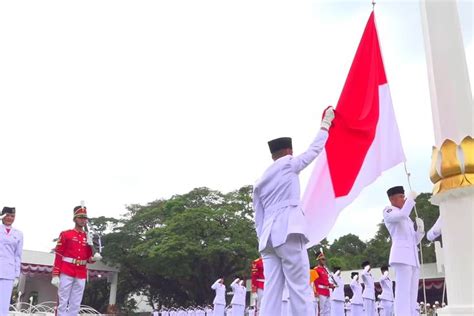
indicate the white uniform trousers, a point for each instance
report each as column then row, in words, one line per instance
column 337, row 308
column 406, row 289
column 6, row 287
column 238, row 310
column 369, row 307
column 219, row 310
column 324, row 306
column 70, row 295
column 387, row 308
column 357, row 310
column 288, row 262
column 259, row 299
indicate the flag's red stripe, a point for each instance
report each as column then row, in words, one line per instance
column 357, row 113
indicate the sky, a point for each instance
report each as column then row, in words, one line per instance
column 119, row 102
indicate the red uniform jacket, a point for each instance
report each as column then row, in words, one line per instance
column 72, row 244
column 258, row 278
column 321, row 284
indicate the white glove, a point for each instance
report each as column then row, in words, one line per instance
column 367, row 268
column 55, row 281
column 15, row 282
column 412, row 195
column 2, row 216
column 355, row 277
column 328, row 116
column 338, row 272
column 90, row 238
column 420, row 225
column 97, row 257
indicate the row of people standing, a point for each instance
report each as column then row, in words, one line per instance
column 330, row 296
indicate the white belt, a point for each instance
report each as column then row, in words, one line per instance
column 75, row 261
column 323, row 286
column 260, row 280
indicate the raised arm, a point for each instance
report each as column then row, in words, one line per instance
column 301, row 161
column 391, row 215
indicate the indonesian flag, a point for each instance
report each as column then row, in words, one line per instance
column 363, row 140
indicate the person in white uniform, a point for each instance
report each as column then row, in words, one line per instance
column 386, row 298
column 281, row 226
column 404, row 256
column 238, row 299
column 368, row 295
column 11, row 248
column 337, row 294
column 219, row 299
column 357, row 304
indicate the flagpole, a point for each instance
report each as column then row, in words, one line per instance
column 421, row 244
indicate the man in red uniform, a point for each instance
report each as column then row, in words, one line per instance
column 322, row 286
column 258, row 279
column 73, row 252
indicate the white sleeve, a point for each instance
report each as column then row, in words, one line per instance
column 258, row 212
column 301, row 161
column 215, row 285
column 393, row 216
column 435, row 231
column 18, row 254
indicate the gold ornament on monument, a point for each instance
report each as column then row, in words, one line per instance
column 452, row 166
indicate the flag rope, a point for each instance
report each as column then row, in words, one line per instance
column 421, row 244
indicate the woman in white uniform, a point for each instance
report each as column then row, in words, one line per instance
column 11, row 248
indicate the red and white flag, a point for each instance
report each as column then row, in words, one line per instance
column 363, row 140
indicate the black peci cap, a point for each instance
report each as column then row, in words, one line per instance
column 8, row 210
column 279, row 144
column 395, row 190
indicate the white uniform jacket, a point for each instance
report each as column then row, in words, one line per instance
column 387, row 288
column 276, row 196
column 356, row 293
column 369, row 289
column 404, row 237
column 11, row 248
column 239, row 293
column 338, row 293
column 220, row 293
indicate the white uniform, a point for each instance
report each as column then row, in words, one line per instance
column 11, row 248
column 357, row 304
column 368, row 295
column 386, row 298
column 281, row 229
column 219, row 299
column 404, row 256
column 285, row 307
column 435, row 231
column 337, row 296
column 238, row 300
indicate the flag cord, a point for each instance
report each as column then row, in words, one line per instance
column 421, row 244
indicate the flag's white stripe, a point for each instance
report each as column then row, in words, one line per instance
column 320, row 206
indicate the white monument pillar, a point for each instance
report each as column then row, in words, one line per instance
column 452, row 169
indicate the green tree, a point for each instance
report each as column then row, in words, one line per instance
column 173, row 250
